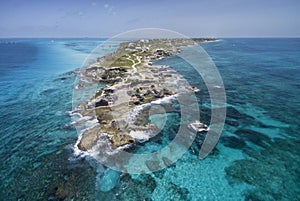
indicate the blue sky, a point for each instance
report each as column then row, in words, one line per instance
column 98, row 18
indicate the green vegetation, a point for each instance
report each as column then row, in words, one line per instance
column 98, row 93
column 122, row 62
column 128, row 52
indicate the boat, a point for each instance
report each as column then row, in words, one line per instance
column 198, row 127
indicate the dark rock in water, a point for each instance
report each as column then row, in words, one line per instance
column 254, row 195
column 272, row 171
column 235, row 114
column 102, row 102
column 65, row 185
column 132, row 189
column 157, row 139
column 233, row 142
column 253, row 136
column 149, row 182
column 199, row 139
column 160, row 174
column 215, row 152
column 232, row 123
column 175, row 192
column 153, row 165
column 244, row 167
column 167, row 161
column 194, row 149
column 257, row 174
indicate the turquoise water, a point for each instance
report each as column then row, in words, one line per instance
column 257, row 157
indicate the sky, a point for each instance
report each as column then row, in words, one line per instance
column 193, row 18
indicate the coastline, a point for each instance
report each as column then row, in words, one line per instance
column 117, row 114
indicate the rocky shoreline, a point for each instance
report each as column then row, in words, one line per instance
column 132, row 85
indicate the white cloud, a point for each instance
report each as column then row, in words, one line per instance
column 110, row 9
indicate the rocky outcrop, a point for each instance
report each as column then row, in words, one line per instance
column 102, row 74
column 102, row 102
column 148, row 94
column 120, row 140
column 89, row 138
column 130, row 82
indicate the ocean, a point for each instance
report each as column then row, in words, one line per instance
column 257, row 157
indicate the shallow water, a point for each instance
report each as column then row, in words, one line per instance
column 257, row 157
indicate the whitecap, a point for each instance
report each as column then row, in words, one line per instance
column 140, row 136
column 164, row 100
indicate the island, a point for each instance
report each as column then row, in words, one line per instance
column 132, row 85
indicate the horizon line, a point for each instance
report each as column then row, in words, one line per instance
column 104, row 37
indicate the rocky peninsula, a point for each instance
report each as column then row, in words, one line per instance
column 132, row 85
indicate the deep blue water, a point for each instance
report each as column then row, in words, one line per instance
column 257, row 157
